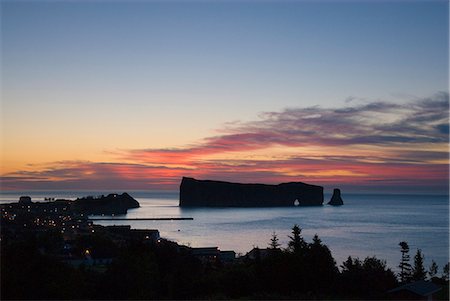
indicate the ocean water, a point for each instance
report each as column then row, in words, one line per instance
column 367, row 225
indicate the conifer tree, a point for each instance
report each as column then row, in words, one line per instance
column 296, row 243
column 351, row 265
column 418, row 270
column 405, row 266
column 445, row 272
column 433, row 270
column 316, row 240
column 274, row 243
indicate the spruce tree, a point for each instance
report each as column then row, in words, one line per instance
column 296, row 243
column 445, row 272
column 418, row 270
column 405, row 266
column 316, row 240
column 274, row 243
column 433, row 270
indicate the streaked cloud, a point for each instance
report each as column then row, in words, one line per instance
column 373, row 124
column 93, row 175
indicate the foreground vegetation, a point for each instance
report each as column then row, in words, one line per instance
column 163, row 270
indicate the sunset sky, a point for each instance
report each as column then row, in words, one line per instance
column 133, row 95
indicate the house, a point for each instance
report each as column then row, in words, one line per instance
column 258, row 254
column 125, row 232
column 419, row 290
column 206, row 254
column 118, row 229
column 150, row 235
column 88, row 261
column 227, row 256
column 25, row 200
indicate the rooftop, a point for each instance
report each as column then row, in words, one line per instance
column 421, row 288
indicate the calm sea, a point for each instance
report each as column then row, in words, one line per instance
column 367, row 225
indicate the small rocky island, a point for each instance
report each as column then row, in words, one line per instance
column 336, row 199
column 98, row 205
column 111, row 204
column 207, row 193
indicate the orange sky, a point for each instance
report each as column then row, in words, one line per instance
column 369, row 145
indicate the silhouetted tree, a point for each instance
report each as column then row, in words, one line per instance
column 316, row 240
column 445, row 271
column 405, row 266
column 433, row 270
column 418, row 272
column 274, row 242
column 366, row 279
column 321, row 270
column 350, row 265
column 296, row 243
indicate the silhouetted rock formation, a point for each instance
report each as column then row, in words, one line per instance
column 224, row 194
column 336, row 199
column 110, row 204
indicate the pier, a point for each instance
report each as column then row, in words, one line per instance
column 142, row 219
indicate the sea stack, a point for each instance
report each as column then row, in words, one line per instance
column 207, row 193
column 336, row 199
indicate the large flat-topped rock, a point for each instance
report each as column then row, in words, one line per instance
column 207, row 193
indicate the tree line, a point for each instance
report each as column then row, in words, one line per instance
column 415, row 272
column 303, row 270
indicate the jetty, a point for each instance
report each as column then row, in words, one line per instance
column 142, row 219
